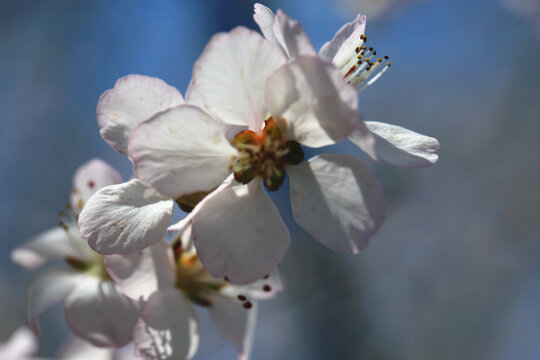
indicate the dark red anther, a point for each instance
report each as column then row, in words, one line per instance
column 267, row 288
column 242, row 298
column 91, row 184
column 247, row 305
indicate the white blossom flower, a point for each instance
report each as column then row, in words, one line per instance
column 22, row 345
column 94, row 307
column 171, row 280
column 243, row 80
column 360, row 67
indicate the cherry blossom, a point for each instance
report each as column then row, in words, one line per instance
column 243, row 80
column 171, row 281
column 361, row 67
column 95, row 308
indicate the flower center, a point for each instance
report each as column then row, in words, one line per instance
column 193, row 279
column 264, row 155
column 359, row 67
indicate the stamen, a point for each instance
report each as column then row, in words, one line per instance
column 360, row 67
column 267, row 288
column 242, row 297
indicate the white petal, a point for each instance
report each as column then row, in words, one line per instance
column 265, row 18
column 238, row 233
column 124, row 218
column 231, row 73
column 53, row 244
column 48, row 289
column 263, row 289
column 181, row 151
column 89, row 178
column 330, row 49
column 167, row 328
column 234, row 323
column 20, row 345
column 140, row 274
column 292, row 37
column 313, row 101
column 337, row 200
column 399, row 146
column 78, row 349
column 133, row 99
column 280, row 29
column 98, row 312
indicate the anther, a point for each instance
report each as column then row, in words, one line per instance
column 242, row 298
column 91, row 184
column 247, row 305
column 267, row 288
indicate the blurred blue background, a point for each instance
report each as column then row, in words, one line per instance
column 454, row 273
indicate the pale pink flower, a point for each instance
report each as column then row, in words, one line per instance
column 243, row 80
column 94, row 307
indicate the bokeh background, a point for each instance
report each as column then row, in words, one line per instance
column 454, row 272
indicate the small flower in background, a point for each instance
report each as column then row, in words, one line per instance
column 95, row 309
column 22, row 345
column 171, row 281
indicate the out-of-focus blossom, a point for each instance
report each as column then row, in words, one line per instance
column 22, row 345
column 360, row 67
column 529, row 9
column 243, row 80
column 170, row 282
column 95, row 308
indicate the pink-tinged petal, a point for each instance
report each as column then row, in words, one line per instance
column 78, row 349
column 19, row 346
column 89, row 178
column 344, row 38
column 167, row 328
column 133, row 99
column 337, row 200
column 181, row 151
column 266, row 288
column 292, row 37
column 98, row 312
column 124, row 218
column 238, row 233
column 53, row 244
column 312, row 103
column 141, row 274
column 231, row 73
column 48, row 289
column 401, row 147
column 235, row 323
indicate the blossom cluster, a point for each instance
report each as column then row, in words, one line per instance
column 132, row 277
